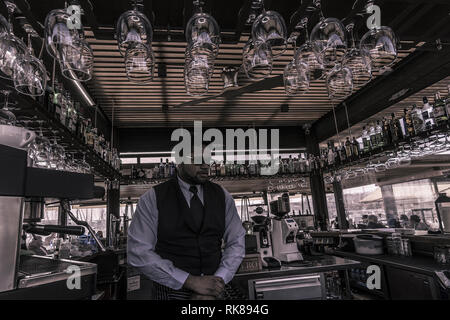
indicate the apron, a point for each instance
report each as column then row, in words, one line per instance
column 160, row 292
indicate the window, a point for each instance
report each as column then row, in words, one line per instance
column 388, row 202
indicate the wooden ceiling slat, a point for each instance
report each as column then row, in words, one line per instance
column 140, row 105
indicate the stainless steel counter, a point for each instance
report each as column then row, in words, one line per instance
column 39, row 270
column 296, row 280
column 419, row 264
column 309, row 265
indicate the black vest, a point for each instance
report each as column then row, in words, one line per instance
column 194, row 251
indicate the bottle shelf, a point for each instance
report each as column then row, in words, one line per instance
column 20, row 180
column 287, row 176
column 33, row 111
column 379, row 152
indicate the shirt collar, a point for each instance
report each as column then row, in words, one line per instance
column 185, row 186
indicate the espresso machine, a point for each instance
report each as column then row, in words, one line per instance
column 262, row 229
column 23, row 192
column 284, row 231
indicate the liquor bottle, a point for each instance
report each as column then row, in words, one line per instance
column 417, row 119
column 409, row 127
column 373, row 136
column 427, row 114
column 291, row 167
column 348, row 149
column 296, row 164
column 336, row 156
column 387, row 136
column 68, row 119
column 172, row 170
column 307, row 164
column 439, row 111
column 74, row 118
column 447, row 101
column 258, row 168
column 330, row 156
column 355, row 149
column 252, row 168
column 57, row 100
column 236, row 169
column 366, row 139
column 323, row 158
column 141, row 173
column 89, row 134
column 161, row 168
column 95, row 138
column 166, row 169
column 218, row 168
column 63, row 115
column 342, row 153
column 223, row 171
column 379, row 134
column 302, row 163
column 394, row 128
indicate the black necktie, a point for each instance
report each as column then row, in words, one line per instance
column 196, row 207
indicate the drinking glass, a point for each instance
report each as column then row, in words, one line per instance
column 134, row 37
column 6, row 116
column 203, row 35
column 257, row 60
column 305, row 54
column 40, row 152
column 30, row 75
column 358, row 62
column 295, row 78
column 339, row 83
column 197, row 73
column 76, row 60
column 404, row 155
column 12, row 50
column 328, row 38
column 380, row 167
column 139, row 63
column 4, row 25
column 269, row 27
column 380, row 44
column 57, row 32
column 133, row 27
column 229, row 77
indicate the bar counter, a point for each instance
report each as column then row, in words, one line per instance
column 310, row 265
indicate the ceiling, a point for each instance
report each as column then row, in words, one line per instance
column 130, row 105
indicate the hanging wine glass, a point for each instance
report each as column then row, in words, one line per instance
column 257, row 60
column 329, row 39
column 77, row 60
column 4, row 25
column 230, row 77
column 339, row 83
column 30, row 75
column 139, row 64
column 203, row 35
column 197, row 73
column 12, row 49
column 305, row 54
column 270, row 27
column 358, row 62
column 134, row 36
column 295, row 78
column 380, row 44
column 57, row 32
column 6, row 116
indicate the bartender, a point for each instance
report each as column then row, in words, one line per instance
column 176, row 235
